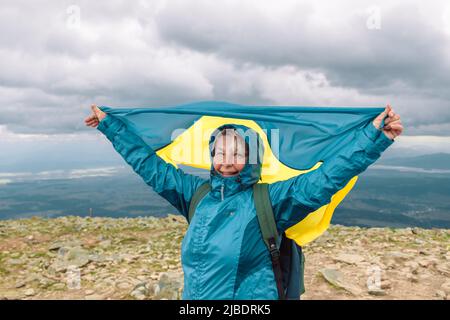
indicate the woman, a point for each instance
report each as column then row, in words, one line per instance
column 223, row 254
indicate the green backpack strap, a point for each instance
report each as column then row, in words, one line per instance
column 264, row 212
column 269, row 231
column 199, row 194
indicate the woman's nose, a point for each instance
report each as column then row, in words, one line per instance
column 228, row 159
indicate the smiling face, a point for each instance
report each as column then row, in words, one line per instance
column 229, row 153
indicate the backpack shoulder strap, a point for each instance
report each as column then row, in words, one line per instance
column 199, row 194
column 269, row 231
column 264, row 212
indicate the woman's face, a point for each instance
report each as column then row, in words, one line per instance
column 229, row 156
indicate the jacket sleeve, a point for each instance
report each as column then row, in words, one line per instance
column 171, row 183
column 295, row 198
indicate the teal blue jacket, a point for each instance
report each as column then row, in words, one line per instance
column 223, row 254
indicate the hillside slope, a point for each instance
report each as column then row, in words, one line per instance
column 139, row 258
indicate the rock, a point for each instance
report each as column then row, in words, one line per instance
column 89, row 292
column 446, row 287
column 29, row 292
column 123, row 285
column 443, row 269
column 427, row 262
column 154, row 276
column 116, row 258
column 386, row 284
column 406, row 231
column 419, row 241
column 424, row 276
column 140, row 291
column 153, row 289
column 335, row 278
column 377, row 292
column 138, row 295
column 98, row 258
column 67, row 244
column 441, row 294
column 130, row 258
column 62, row 251
column 105, row 244
column 73, row 257
column 396, row 256
column 331, row 275
column 412, row 278
column 141, row 278
column 413, row 267
column 169, row 286
column 349, row 258
column 77, row 257
column 57, row 266
column 20, row 284
column 59, row 286
column 16, row 262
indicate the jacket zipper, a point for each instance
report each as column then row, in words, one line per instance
column 221, row 190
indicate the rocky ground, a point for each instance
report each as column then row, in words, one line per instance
column 139, row 258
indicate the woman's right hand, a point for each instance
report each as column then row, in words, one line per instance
column 94, row 119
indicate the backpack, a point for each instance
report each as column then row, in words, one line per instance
column 288, row 260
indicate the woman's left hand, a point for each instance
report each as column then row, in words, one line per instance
column 94, row 119
column 392, row 124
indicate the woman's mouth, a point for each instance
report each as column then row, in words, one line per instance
column 228, row 174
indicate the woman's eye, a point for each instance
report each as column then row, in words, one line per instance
column 240, row 158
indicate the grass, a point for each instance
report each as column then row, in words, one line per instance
column 40, row 255
column 4, row 271
column 130, row 240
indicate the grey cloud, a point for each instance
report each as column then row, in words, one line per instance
column 406, row 61
column 406, row 48
column 149, row 54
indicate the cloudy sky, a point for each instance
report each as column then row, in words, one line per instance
column 58, row 57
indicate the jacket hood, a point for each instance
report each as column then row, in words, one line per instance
column 250, row 174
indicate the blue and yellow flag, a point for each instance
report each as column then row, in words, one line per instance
column 296, row 140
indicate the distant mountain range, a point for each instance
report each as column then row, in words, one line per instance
column 397, row 192
column 429, row 161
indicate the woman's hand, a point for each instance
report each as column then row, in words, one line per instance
column 392, row 124
column 94, row 119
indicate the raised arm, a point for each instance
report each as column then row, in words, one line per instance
column 171, row 183
column 295, row 198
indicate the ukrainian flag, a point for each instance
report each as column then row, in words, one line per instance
column 296, row 140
